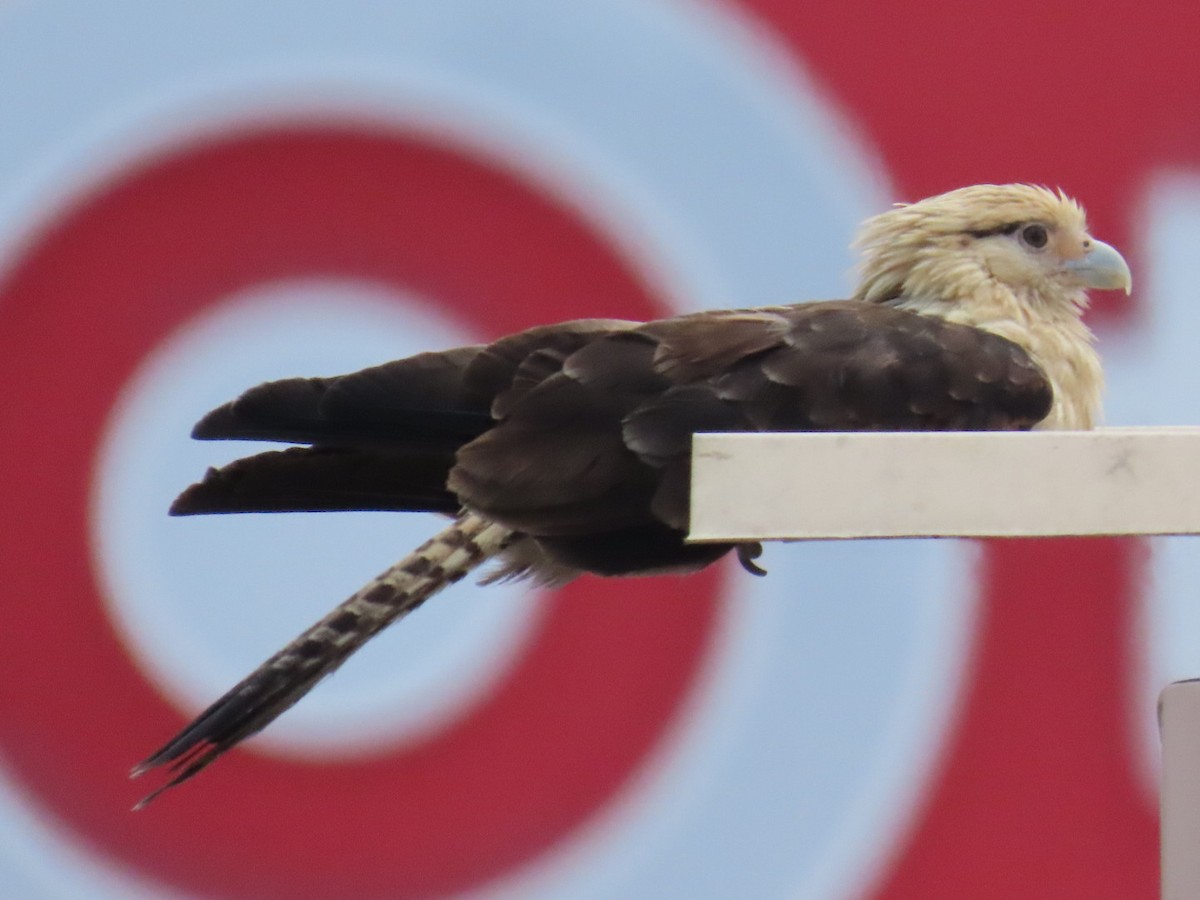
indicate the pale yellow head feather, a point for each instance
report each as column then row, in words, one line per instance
column 927, row 246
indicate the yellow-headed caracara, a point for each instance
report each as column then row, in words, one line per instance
column 565, row 449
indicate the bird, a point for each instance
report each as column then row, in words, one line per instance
column 565, row 449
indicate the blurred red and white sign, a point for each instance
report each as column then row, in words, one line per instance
column 194, row 200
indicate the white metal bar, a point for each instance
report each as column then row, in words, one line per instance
column 964, row 484
column 1179, row 723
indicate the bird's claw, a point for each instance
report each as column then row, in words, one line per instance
column 747, row 554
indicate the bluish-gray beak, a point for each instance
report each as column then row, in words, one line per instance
column 1102, row 268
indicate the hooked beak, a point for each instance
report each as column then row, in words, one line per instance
column 1102, row 268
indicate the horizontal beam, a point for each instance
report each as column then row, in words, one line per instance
column 945, row 484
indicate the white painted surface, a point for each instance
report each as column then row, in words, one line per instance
column 963, row 484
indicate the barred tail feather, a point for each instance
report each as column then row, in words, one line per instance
column 291, row 673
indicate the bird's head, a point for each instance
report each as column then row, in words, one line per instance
column 1028, row 239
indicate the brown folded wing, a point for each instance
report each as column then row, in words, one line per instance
column 579, row 434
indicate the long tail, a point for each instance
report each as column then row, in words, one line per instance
column 292, row 672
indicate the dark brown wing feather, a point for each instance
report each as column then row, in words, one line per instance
column 566, row 430
column 706, row 344
column 324, row 479
column 419, row 399
column 494, row 372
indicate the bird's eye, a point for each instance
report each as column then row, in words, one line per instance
column 1035, row 236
